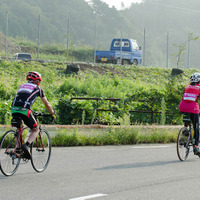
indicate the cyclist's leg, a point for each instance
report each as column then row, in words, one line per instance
column 33, row 135
column 197, row 129
column 33, row 125
column 195, row 121
column 31, row 122
column 31, row 138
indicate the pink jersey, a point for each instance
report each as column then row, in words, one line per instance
column 189, row 102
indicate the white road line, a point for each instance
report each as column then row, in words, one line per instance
column 89, row 197
column 150, row 147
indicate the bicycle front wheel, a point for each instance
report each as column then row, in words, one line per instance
column 183, row 144
column 9, row 162
column 41, row 151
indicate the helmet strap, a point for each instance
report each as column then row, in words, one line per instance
column 37, row 82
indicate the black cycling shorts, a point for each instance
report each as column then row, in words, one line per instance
column 30, row 120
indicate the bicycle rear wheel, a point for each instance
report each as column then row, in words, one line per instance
column 41, row 151
column 9, row 162
column 183, row 144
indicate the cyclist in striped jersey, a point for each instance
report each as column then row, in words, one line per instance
column 21, row 106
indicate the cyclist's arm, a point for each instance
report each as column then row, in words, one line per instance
column 47, row 105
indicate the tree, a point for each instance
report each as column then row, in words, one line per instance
column 178, row 55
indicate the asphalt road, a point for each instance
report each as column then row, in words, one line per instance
column 107, row 172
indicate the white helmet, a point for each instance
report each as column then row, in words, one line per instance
column 195, row 78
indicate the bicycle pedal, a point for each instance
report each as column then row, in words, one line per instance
column 25, row 157
column 18, row 150
column 25, row 160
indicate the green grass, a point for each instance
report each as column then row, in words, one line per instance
column 123, row 135
column 111, row 135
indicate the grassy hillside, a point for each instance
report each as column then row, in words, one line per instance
column 127, row 83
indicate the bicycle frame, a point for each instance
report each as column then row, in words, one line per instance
column 20, row 132
column 18, row 136
column 191, row 133
column 40, row 140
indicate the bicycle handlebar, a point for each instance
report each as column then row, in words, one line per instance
column 36, row 114
column 41, row 114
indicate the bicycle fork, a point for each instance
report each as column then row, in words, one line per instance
column 40, row 141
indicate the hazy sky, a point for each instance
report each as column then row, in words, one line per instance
column 117, row 3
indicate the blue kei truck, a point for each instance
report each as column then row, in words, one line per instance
column 126, row 54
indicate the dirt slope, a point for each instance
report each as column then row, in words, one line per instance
column 11, row 46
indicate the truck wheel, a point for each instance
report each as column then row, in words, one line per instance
column 135, row 62
column 118, row 61
column 125, row 62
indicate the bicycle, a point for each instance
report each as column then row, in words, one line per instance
column 11, row 153
column 185, row 138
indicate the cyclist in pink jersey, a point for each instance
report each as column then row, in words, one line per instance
column 21, row 106
column 190, row 105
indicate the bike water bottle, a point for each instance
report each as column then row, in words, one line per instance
column 192, row 132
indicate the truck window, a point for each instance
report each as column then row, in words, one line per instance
column 116, row 44
column 124, row 44
column 135, row 46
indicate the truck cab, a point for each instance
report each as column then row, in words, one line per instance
column 122, row 51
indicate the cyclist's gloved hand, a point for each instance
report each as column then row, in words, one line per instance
column 54, row 115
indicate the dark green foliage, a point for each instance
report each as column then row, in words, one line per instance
column 65, row 140
column 69, row 112
column 170, row 88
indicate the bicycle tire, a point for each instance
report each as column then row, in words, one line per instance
column 41, row 156
column 183, row 144
column 9, row 163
